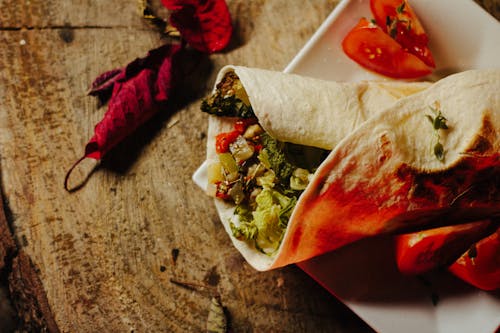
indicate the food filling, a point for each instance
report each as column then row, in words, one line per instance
column 261, row 176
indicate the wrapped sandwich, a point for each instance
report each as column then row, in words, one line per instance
column 299, row 167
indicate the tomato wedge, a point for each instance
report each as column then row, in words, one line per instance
column 419, row 252
column 397, row 18
column 372, row 48
column 480, row 266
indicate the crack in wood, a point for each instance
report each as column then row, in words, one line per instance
column 24, row 302
column 58, row 27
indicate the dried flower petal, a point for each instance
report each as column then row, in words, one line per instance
column 204, row 24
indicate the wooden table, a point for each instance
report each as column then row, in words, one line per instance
column 139, row 247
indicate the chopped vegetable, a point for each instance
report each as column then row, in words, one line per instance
column 394, row 44
column 422, row 251
column 299, row 179
column 241, row 149
column 229, row 100
column 215, row 173
column 274, row 155
column 223, row 140
column 229, row 165
column 243, row 125
column 262, row 176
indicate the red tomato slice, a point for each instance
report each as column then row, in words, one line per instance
column 480, row 266
column 419, row 252
column 373, row 49
column 397, row 18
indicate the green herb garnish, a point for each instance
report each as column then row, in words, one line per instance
column 401, row 8
column 438, row 123
column 472, row 252
column 392, row 23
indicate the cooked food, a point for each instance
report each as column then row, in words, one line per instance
column 269, row 134
column 429, row 160
column 302, row 110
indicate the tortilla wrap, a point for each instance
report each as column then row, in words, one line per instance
column 313, row 112
column 304, row 111
column 384, row 177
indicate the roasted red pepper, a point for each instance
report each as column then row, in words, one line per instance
column 223, row 140
column 241, row 125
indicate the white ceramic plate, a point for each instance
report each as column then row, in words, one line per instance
column 463, row 36
column 363, row 275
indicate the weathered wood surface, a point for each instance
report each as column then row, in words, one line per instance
column 106, row 255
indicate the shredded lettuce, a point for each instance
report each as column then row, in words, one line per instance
column 271, row 180
column 265, row 225
column 265, row 222
column 246, row 229
column 267, row 179
column 286, row 212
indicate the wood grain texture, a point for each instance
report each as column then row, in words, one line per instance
column 107, row 254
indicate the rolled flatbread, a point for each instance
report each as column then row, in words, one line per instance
column 422, row 161
column 313, row 112
column 387, row 177
column 303, row 111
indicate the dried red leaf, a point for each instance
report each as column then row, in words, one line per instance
column 137, row 93
column 103, row 84
column 204, row 24
column 139, row 90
